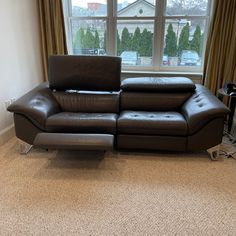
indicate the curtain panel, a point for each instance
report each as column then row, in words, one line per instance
column 220, row 56
column 52, row 29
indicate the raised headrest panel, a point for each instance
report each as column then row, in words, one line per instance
column 101, row 73
column 158, row 84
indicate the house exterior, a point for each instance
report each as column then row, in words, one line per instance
column 144, row 8
column 139, row 8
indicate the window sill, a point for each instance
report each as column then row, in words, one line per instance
column 171, row 73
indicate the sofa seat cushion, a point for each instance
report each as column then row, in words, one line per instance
column 152, row 123
column 82, row 122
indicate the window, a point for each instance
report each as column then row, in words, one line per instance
column 87, row 26
column 156, row 35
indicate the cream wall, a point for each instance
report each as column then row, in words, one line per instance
column 20, row 58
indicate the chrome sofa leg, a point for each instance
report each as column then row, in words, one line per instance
column 24, row 148
column 214, row 152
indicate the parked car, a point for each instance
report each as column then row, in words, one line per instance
column 130, row 58
column 189, row 58
column 98, row 51
column 165, row 60
column 89, row 51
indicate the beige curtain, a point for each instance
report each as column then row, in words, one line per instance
column 52, row 30
column 220, row 57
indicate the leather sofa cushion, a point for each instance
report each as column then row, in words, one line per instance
column 152, row 123
column 88, row 101
column 97, row 73
column 158, row 84
column 140, row 101
column 104, row 123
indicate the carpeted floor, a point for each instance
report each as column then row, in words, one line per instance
column 76, row 193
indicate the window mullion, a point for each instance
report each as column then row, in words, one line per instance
column 88, row 18
column 67, row 14
column 158, row 34
column 135, row 18
column 70, row 49
column 184, row 17
column 206, row 30
column 111, row 28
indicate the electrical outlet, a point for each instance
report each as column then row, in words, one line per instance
column 7, row 103
column 12, row 100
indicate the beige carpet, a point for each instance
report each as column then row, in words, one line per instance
column 74, row 193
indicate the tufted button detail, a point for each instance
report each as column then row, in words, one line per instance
column 38, row 102
column 198, row 100
column 201, row 105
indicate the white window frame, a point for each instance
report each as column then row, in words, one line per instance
column 158, row 35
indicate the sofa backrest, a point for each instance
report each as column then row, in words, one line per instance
column 94, row 73
column 155, row 93
column 148, row 101
column 88, row 101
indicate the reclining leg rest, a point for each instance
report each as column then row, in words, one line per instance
column 70, row 141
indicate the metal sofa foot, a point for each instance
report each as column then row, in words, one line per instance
column 24, row 148
column 214, row 153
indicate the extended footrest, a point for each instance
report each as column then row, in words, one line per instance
column 93, row 142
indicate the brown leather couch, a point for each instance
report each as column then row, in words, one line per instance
column 84, row 106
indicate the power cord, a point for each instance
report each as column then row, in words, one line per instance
column 227, row 154
column 230, row 140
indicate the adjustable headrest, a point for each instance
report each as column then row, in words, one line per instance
column 158, row 84
column 101, row 73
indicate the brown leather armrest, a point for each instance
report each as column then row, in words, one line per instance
column 201, row 108
column 36, row 105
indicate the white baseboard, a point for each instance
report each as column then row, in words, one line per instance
column 7, row 134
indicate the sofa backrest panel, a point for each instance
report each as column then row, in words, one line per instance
column 88, row 101
column 153, row 101
column 97, row 73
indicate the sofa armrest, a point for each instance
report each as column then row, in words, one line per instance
column 201, row 108
column 36, row 105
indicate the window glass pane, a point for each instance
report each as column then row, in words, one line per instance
column 89, row 37
column 135, row 41
column 186, row 7
column 183, row 42
column 89, row 7
column 126, row 8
